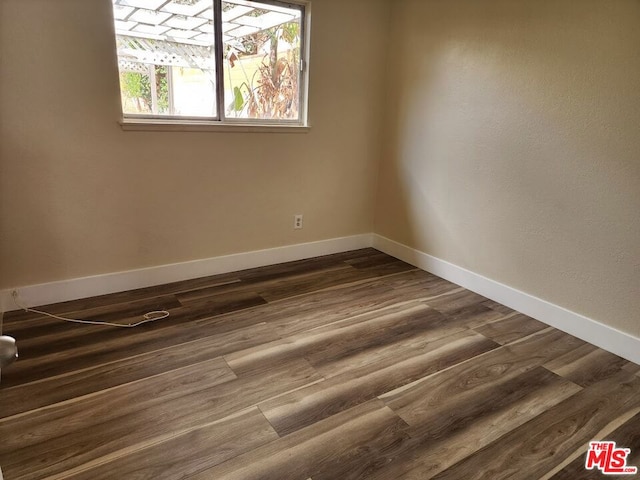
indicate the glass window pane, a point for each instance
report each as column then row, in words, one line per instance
column 261, row 49
column 166, row 57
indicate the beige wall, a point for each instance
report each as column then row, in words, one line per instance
column 514, row 147
column 78, row 196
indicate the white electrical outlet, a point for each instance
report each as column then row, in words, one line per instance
column 297, row 222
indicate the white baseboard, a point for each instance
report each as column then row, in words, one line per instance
column 596, row 333
column 73, row 289
column 587, row 329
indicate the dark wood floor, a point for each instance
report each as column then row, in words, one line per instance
column 349, row 366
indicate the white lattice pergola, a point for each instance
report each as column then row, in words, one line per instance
column 180, row 32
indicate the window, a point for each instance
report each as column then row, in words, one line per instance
column 229, row 61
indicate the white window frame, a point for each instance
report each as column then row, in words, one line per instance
column 142, row 122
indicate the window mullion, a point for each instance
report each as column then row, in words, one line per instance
column 219, row 51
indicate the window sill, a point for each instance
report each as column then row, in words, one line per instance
column 208, row 126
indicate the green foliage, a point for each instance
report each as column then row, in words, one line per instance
column 273, row 91
column 291, row 32
column 137, row 87
column 162, row 72
column 238, row 99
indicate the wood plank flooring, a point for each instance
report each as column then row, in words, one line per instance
column 348, row 366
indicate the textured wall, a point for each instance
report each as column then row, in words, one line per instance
column 514, row 146
column 78, row 196
column 512, row 149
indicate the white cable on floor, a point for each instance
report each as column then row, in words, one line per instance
column 148, row 317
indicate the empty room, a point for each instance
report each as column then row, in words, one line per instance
column 319, row 240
